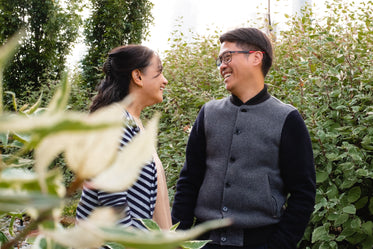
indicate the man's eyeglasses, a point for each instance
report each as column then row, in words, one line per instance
column 226, row 57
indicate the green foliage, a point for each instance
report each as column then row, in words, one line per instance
column 80, row 96
column 3, row 238
column 111, row 24
column 7, row 52
column 191, row 244
column 51, row 30
column 323, row 67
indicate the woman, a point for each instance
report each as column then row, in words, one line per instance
column 134, row 70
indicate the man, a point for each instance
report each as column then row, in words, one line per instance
column 249, row 157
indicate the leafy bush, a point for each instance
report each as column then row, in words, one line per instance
column 51, row 30
column 111, row 24
column 324, row 67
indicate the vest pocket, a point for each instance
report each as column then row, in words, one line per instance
column 274, row 203
column 274, row 207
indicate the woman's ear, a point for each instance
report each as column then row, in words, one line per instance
column 136, row 77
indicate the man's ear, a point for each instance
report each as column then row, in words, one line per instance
column 258, row 57
column 136, row 77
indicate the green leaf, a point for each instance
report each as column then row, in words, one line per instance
column 35, row 106
column 356, row 238
column 367, row 142
column 150, row 224
column 12, row 201
column 321, row 176
column 341, row 219
column 14, row 161
column 333, row 216
column 363, row 172
column 22, row 138
column 160, row 239
column 367, row 227
column 27, row 180
column 370, row 206
column 43, row 243
column 194, row 244
column 326, row 245
column 126, row 167
column 332, row 192
column 14, row 216
column 99, row 228
column 175, row 226
column 346, row 232
column 332, row 156
column 45, row 125
column 347, row 183
column 353, row 194
column 114, row 245
column 349, row 209
column 3, row 239
column 4, row 137
column 320, row 234
column 322, row 203
column 368, row 243
column 362, row 202
column 356, row 223
column 61, row 96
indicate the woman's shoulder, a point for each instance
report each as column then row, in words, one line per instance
column 130, row 128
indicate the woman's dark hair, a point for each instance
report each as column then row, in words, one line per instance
column 251, row 39
column 118, row 69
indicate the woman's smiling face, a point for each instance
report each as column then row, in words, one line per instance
column 154, row 81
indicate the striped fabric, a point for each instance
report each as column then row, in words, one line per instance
column 137, row 202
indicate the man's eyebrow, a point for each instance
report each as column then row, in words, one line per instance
column 223, row 53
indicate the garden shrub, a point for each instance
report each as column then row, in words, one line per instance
column 324, row 68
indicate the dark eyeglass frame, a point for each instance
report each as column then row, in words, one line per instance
column 228, row 56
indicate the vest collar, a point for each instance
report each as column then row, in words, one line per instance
column 262, row 96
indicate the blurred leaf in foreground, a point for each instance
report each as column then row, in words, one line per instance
column 129, row 161
column 24, row 180
column 30, row 202
column 100, row 228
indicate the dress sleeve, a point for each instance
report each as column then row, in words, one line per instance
column 298, row 172
column 88, row 202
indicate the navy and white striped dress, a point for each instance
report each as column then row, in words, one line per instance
column 138, row 201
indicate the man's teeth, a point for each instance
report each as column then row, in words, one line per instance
column 227, row 75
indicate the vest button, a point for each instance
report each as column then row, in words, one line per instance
column 232, row 159
column 237, row 132
column 223, row 239
column 227, row 184
column 243, row 110
column 225, row 209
